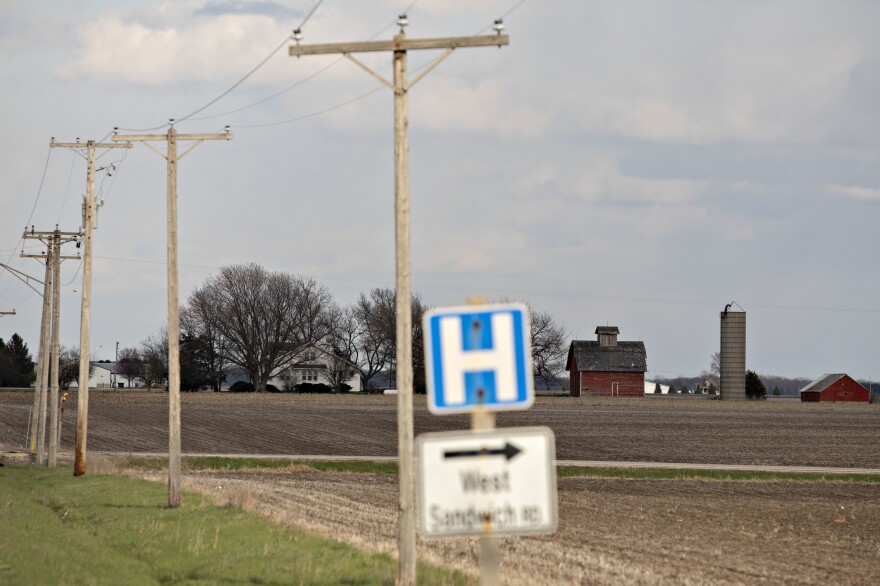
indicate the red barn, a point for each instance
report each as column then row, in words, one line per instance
column 835, row 387
column 606, row 367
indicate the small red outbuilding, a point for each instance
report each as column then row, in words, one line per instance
column 835, row 387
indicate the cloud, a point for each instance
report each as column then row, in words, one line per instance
column 167, row 44
column 264, row 8
column 854, row 192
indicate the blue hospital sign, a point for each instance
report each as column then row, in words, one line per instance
column 478, row 355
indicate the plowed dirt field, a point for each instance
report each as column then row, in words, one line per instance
column 611, row 531
column 648, row 430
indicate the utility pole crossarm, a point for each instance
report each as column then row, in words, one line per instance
column 162, row 137
column 172, row 157
column 45, row 256
column 400, row 44
column 82, row 145
column 7, row 312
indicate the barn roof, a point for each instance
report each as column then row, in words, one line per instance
column 822, row 383
column 588, row 356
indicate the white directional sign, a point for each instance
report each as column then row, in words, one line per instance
column 478, row 356
column 496, row 482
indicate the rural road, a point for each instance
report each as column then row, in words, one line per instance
column 584, row 463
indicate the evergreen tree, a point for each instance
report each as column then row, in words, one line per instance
column 657, row 389
column 16, row 363
column 755, row 389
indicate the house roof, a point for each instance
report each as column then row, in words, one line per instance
column 822, row 383
column 607, row 330
column 589, row 356
column 312, row 364
column 108, row 366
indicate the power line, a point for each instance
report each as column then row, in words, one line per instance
column 30, row 217
column 313, row 114
column 238, row 83
column 561, row 294
column 298, row 84
column 255, row 69
column 67, row 187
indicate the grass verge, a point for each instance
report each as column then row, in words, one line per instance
column 231, row 464
column 685, row 474
column 368, row 467
column 101, row 529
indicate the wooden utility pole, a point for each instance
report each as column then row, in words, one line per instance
column 399, row 46
column 50, row 362
column 35, row 411
column 171, row 139
column 82, row 395
column 38, row 415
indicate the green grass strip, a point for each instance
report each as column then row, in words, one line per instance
column 687, row 474
column 97, row 529
column 369, row 467
column 193, row 463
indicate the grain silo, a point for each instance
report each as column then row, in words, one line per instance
column 733, row 354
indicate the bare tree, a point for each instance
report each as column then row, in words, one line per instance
column 130, row 364
column 715, row 366
column 68, row 366
column 339, row 372
column 154, row 356
column 198, row 324
column 375, row 315
column 376, row 341
column 549, row 345
column 263, row 317
column 344, row 332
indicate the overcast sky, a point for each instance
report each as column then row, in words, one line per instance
column 629, row 163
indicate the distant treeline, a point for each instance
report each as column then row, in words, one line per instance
column 786, row 386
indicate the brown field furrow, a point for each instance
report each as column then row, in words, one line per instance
column 649, row 430
column 611, row 531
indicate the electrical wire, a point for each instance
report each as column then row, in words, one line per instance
column 115, row 166
column 537, row 293
column 298, row 83
column 30, row 217
column 254, row 70
column 67, row 187
column 502, row 17
column 78, row 268
column 313, row 114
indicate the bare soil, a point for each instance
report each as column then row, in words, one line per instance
column 609, row 429
column 611, row 531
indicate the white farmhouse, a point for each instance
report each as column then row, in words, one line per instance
column 313, row 364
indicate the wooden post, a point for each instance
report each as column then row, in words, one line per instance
column 399, row 45
column 490, row 547
column 41, row 360
column 82, row 395
column 38, row 429
column 406, row 536
column 490, row 544
column 55, row 362
column 171, row 139
column 173, row 330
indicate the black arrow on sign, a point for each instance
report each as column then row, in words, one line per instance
column 509, row 451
